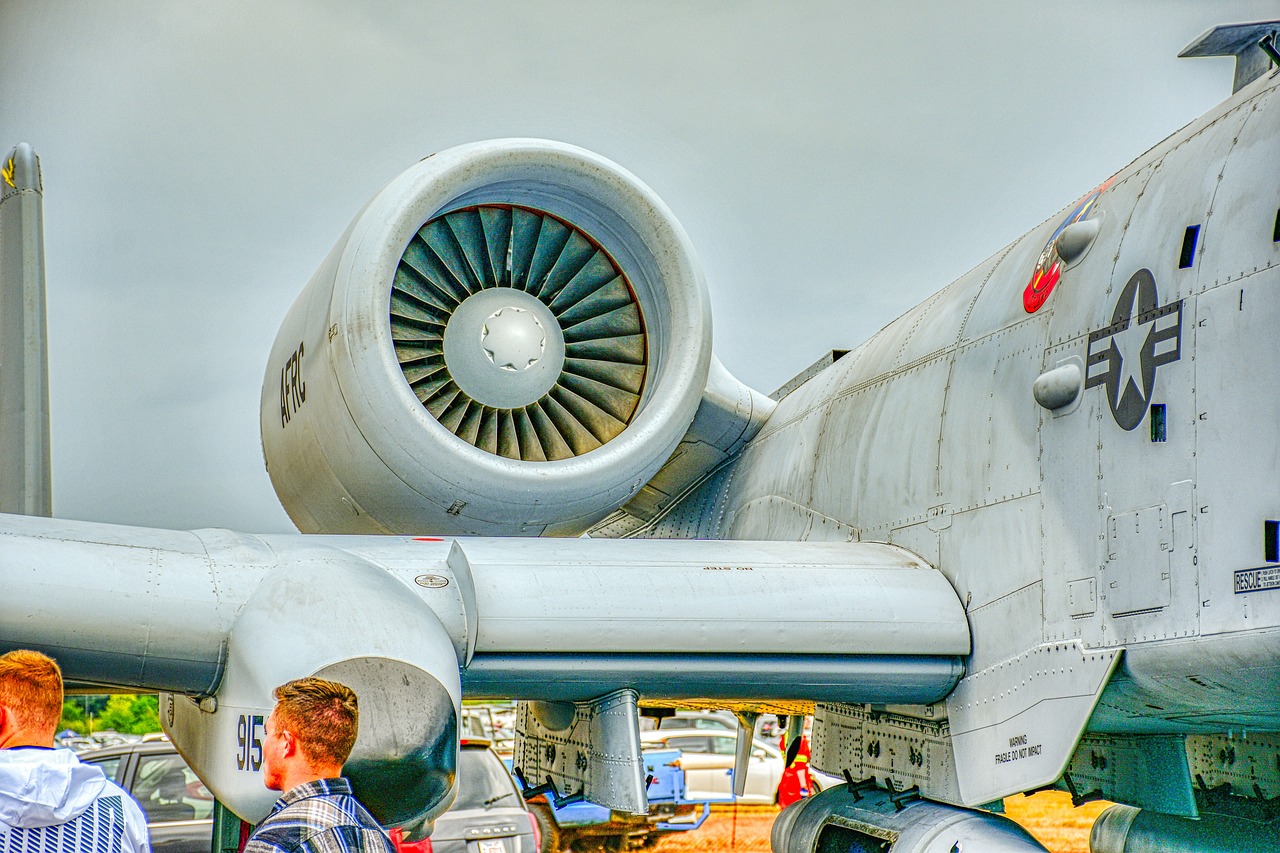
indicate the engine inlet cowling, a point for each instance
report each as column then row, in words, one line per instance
column 511, row 338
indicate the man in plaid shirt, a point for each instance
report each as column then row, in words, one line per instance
column 308, row 738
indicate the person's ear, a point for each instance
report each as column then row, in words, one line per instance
column 8, row 724
column 288, row 743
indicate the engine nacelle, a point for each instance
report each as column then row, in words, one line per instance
column 864, row 818
column 511, row 338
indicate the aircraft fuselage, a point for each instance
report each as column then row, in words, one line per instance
column 1134, row 516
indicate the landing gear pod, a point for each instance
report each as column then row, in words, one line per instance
column 511, row 338
column 329, row 614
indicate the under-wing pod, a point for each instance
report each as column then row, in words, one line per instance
column 1125, row 829
column 511, row 338
column 864, row 817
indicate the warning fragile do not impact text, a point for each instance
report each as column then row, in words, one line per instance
column 1018, row 749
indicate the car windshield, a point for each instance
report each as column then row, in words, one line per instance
column 483, row 782
column 696, row 723
column 169, row 790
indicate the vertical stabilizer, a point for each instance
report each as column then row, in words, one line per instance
column 24, row 367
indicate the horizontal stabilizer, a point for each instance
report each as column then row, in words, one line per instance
column 1242, row 42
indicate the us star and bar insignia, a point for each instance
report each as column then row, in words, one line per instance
column 1124, row 356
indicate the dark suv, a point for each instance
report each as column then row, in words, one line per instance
column 178, row 806
column 489, row 815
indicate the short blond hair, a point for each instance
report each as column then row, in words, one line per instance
column 323, row 715
column 31, row 687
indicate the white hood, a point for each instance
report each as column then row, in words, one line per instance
column 43, row 787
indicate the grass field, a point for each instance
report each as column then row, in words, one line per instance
column 1051, row 819
column 745, row 829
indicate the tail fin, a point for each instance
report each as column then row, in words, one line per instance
column 24, row 360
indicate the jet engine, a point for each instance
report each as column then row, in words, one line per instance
column 863, row 817
column 511, row 338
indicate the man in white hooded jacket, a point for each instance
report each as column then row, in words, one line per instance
column 49, row 799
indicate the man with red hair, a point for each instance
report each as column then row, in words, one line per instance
column 310, row 733
column 49, row 799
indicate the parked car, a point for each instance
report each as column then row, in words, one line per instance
column 97, row 740
column 489, row 814
column 712, row 720
column 179, row 808
column 494, row 722
column 707, row 758
column 768, row 726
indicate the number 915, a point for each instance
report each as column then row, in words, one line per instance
column 249, row 732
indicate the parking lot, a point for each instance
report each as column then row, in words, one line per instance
column 738, row 828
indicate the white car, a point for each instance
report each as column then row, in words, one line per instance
column 717, row 721
column 706, row 755
column 707, row 759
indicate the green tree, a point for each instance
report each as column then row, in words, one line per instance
column 146, row 714
column 131, row 714
column 126, row 713
column 73, row 717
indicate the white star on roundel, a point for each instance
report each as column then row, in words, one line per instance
column 513, row 339
column 1129, row 345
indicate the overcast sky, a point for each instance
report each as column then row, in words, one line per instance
column 833, row 162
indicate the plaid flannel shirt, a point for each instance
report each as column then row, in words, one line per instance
column 319, row 817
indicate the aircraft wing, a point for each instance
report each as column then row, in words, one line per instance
column 420, row 621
